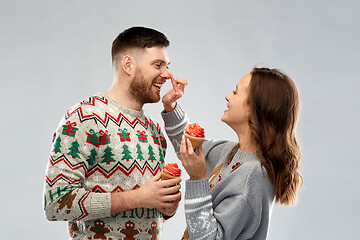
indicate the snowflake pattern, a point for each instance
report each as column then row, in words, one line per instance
column 97, row 179
column 204, row 219
column 200, row 222
column 87, row 183
column 136, row 177
column 117, row 179
column 127, row 184
column 52, row 171
column 85, row 148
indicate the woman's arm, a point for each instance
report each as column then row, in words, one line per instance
column 231, row 218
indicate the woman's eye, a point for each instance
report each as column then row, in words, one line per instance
column 234, row 91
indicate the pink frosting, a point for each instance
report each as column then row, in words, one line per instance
column 195, row 130
column 172, row 169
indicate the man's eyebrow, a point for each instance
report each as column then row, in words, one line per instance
column 160, row 60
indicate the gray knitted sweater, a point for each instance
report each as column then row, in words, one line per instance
column 235, row 200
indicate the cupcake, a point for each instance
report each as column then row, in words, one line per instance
column 170, row 171
column 195, row 134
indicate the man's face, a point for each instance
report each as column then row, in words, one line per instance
column 151, row 73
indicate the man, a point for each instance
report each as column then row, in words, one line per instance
column 104, row 167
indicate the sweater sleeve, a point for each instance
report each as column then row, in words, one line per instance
column 231, row 218
column 176, row 122
column 65, row 195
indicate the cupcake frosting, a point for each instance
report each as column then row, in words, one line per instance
column 172, row 169
column 195, row 130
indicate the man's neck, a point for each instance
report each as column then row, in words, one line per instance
column 121, row 96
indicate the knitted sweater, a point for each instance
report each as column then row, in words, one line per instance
column 235, row 200
column 102, row 147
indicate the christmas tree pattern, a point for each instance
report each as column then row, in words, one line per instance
column 107, row 157
column 139, row 152
column 151, row 153
column 74, row 150
column 57, row 145
column 161, row 155
column 91, row 157
column 126, row 152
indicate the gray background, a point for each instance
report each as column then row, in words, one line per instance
column 56, row 53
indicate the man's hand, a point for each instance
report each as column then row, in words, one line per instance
column 163, row 195
column 169, row 99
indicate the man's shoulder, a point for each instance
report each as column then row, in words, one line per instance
column 154, row 124
column 87, row 107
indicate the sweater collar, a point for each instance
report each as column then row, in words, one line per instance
column 123, row 109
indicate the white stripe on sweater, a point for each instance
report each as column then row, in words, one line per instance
column 186, row 119
column 198, row 200
column 199, row 208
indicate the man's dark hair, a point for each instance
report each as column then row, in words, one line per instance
column 137, row 37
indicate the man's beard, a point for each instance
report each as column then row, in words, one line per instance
column 141, row 91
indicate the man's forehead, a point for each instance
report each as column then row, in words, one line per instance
column 158, row 54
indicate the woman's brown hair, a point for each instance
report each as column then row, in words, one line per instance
column 274, row 101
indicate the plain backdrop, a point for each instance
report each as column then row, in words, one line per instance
column 54, row 54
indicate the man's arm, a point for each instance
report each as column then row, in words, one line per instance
column 66, row 199
column 163, row 195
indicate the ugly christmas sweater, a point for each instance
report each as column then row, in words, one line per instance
column 102, row 147
column 236, row 198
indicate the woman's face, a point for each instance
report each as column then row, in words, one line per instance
column 238, row 111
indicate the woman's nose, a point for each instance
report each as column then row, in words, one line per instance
column 227, row 97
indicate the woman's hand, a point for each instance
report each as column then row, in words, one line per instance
column 169, row 99
column 194, row 164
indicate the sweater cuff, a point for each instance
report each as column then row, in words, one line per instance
column 100, row 206
column 197, row 189
column 172, row 118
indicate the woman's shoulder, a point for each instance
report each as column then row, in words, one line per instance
column 250, row 172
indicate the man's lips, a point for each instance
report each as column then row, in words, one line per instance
column 158, row 85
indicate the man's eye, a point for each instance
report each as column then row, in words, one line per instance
column 234, row 91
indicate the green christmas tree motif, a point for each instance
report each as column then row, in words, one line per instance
column 161, row 155
column 57, row 145
column 91, row 158
column 139, row 152
column 74, row 149
column 126, row 152
column 107, row 157
column 151, row 153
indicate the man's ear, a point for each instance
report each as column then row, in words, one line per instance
column 127, row 64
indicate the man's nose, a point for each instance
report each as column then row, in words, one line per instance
column 165, row 73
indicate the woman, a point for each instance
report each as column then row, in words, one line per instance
column 233, row 185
